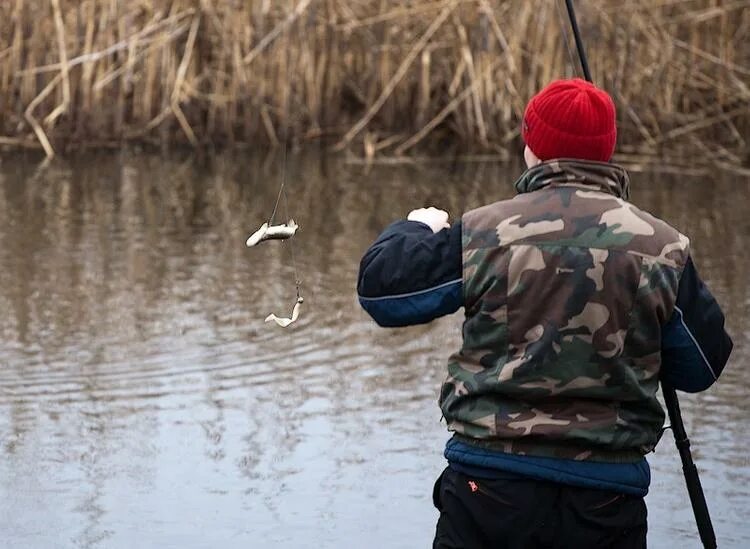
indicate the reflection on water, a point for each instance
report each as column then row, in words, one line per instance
column 144, row 401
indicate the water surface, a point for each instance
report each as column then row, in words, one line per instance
column 144, row 403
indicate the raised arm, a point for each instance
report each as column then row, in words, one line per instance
column 411, row 274
column 695, row 346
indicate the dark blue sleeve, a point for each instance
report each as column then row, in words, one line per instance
column 411, row 275
column 695, row 346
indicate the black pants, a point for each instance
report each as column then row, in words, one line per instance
column 515, row 512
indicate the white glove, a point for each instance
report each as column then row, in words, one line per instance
column 435, row 219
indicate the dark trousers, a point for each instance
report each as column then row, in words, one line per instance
column 516, row 512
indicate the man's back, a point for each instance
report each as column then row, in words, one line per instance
column 565, row 290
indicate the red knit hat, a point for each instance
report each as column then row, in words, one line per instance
column 571, row 119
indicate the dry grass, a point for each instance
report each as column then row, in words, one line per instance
column 380, row 77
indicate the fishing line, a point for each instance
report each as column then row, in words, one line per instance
column 282, row 188
column 297, row 281
column 283, row 183
column 285, row 137
column 286, row 230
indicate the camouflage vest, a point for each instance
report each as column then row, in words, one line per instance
column 566, row 287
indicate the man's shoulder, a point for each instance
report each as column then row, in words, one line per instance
column 652, row 236
column 659, row 225
column 497, row 210
column 577, row 216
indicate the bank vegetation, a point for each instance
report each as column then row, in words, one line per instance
column 378, row 78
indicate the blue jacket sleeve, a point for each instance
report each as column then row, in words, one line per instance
column 411, row 275
column 695, row 346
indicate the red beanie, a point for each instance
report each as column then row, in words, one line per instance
column 571, row 119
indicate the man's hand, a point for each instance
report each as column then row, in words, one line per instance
column 435, row 219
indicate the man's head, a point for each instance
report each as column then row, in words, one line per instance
column 569, row 119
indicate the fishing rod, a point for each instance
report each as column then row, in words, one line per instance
column 579, row 42
column 695, row 490
column 693, row 481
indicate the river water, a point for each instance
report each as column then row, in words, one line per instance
column 144, row 403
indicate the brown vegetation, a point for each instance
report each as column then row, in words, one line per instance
column 382, row 77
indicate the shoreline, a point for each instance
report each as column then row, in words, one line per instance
column 379, row 79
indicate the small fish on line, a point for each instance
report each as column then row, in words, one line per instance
column 284, row 322
column 272, row 232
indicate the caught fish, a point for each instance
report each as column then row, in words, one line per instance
column 272, row 232
column 284, row 322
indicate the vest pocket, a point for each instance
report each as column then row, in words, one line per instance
column 607, row 502
column 477, row 487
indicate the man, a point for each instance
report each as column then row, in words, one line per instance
column 577, row 304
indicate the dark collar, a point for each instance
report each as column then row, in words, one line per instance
column 600, row 176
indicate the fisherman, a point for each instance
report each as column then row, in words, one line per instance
column 577, row 303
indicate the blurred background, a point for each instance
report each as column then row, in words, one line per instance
column 378, row 77
column 143, row 401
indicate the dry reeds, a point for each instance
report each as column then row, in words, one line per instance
column 379, row 76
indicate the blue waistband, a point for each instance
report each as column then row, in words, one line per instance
column 626, row 478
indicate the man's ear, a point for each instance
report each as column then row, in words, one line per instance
column 530, row 158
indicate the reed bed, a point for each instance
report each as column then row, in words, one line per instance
column 380, row 78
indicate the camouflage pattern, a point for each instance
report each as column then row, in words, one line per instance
column 565, row 289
